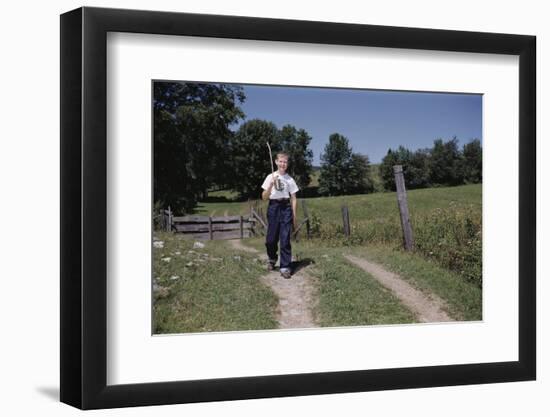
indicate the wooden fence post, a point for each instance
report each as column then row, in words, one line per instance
column 210, row 233
column 241, row 226
column 345, row 218
column 169, row 220
column 259, row 218
column 403, row 207
column 306, row 215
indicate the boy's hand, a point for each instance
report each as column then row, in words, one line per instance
column 273, row 180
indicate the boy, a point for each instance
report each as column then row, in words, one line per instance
column 280, row 189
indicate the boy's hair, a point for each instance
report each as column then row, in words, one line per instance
column 282, row 154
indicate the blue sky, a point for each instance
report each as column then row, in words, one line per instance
column 372, row 120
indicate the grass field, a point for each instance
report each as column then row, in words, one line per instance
column 367, row 206
column 446, row 223
column 208, row 289
column 349, row 296
column 215, row 289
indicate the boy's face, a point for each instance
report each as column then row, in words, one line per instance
column 282, row 163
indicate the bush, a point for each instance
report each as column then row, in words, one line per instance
column 453, row 238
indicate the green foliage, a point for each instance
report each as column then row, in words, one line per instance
column 401, row 157
column 314, row 223
column 418, row 170
column 250, row 156
column 442, row 165
column 452, row 237
column 446, row 163
column 191, row 134
column 342, row 171
column 472, row 162
column 296, row 142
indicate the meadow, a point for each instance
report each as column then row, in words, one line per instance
column 215, row 287
column 446, row 222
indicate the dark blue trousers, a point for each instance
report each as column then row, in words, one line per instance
column 279, row 218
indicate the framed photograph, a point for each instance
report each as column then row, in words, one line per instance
column 257, row 208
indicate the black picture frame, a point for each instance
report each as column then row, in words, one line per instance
column 84, row 206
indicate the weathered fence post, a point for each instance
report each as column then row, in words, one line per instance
column 306, row 215
column 345, row 218
column 264, row 218
column 403, row 207
column 169, row 220
column 259, row 218
column 210, row 232
column 241, row 226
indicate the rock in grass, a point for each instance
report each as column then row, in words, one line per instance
column 167, row 259
column 198, row 245
column 158, row 244
column 174, row 277
column 160, row 292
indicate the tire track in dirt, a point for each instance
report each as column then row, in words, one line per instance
column 428, row 309
column 295, row 294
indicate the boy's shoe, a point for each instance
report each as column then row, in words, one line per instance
column 270, row 266
column 285, row 273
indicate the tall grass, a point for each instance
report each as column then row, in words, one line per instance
column 447, row 230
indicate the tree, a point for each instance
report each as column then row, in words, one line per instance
column 342, row 171
column 191, row 131
column 386, row 170
column 250, row 156
column 360, row 180
column 296, row 142
column 446, row 163
column 418, row 170
column 472, row 162
column 402, row 156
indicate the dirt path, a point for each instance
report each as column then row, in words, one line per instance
column 428, row 309
column 295, row 294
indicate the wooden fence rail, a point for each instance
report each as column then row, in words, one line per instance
column 210, row 228
column 225, row 227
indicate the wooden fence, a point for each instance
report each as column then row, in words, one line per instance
column 408, row 241
column 225, row 227
column 208, row 227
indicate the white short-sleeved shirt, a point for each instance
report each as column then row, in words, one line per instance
column 288, row 183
